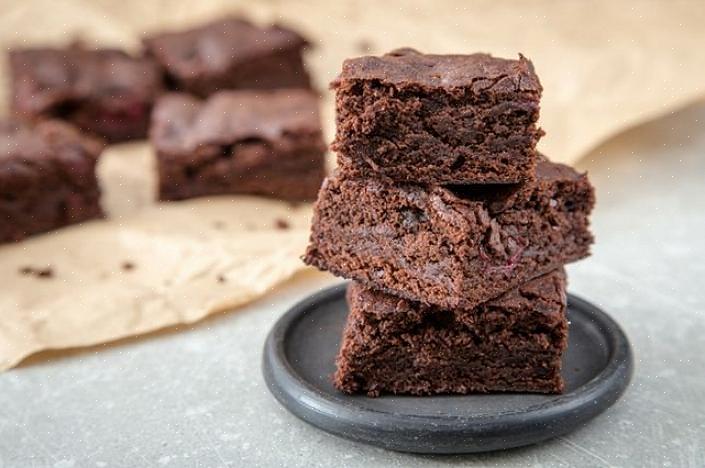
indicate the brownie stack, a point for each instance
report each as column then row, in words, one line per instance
column 453, row 228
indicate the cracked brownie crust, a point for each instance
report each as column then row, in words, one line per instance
column 455, row 246
column 105, row 92
column 239, row 142
column 230, row 54
column 511, row 343
column 437, row 119
column 47, row 178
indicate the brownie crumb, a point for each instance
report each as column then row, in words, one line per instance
column 47, row 272
column 44, row 273
column 281, row 224
column 221, row 279
column 128, row 266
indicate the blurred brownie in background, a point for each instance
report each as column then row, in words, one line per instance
column 438, row 119
column 105, row 91
column 453, row 246
column 512, row 343
column 266, row 143
column 230, row 53
column 47, row 178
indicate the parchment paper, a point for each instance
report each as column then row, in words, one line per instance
column 605, row 66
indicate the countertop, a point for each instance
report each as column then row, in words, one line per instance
column 194, row 396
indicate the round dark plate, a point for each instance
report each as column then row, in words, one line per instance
column 299, row 359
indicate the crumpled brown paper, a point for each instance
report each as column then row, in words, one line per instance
column 605, row 66
column 169, row 264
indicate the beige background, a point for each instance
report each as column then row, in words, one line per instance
column 605, row 66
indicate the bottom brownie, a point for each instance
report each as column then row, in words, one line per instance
column 513, row 343
column 47, row 178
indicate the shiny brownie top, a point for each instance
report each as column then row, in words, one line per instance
column 410, row 68
column 216, row 46
column 46, row 78
column 50, row 139
column 181, row 122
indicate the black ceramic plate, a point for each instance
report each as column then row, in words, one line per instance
column 299, row 360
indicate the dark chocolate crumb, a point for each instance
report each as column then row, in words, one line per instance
column 44, row 273
column 128, row 266
column 47, row 272
column 221, row 279
column 281, row 224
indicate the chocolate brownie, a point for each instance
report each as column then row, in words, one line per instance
column 47, row 178
column 438, row 119
column 451, row 246
column 246, row 142
column 512, row 343
column 105, row 91
column 230, row 53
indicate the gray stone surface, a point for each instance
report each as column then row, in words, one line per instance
column 196, row 397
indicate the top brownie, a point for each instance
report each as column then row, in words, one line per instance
column 230, row 53
column 438, row 119
column 105, row 91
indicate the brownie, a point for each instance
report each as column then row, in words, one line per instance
column 230, row 53
column 438, row 119
column 239, row 142
column 451, row 246
column 47, row 178
column 511, row 343
column 105, row 92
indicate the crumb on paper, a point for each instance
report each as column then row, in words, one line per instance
column 44, row 273
column 221, row 279
column 294, row 204
column 281, row 223
column 218, row 224
column 47, row 272
column 128, row 266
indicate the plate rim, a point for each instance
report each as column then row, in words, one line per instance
column 340, row 416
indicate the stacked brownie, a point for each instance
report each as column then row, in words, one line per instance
column 453, row 227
